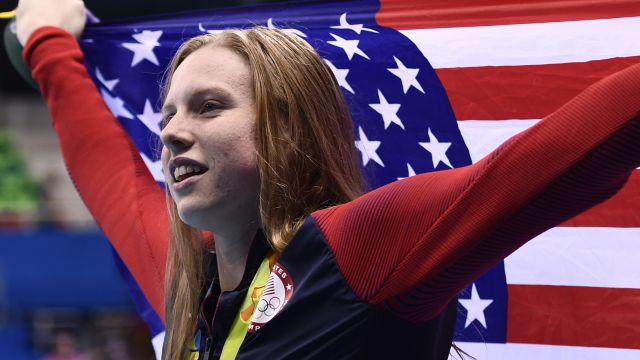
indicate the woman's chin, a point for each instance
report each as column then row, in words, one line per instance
column 218, row 215
column 193, row 218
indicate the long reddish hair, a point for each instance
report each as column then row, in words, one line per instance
column 306, row 158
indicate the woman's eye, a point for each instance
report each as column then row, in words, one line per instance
column 209, row 106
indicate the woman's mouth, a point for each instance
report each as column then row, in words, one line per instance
column 184, row 168
column 186, row 171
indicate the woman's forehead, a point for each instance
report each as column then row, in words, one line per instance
column 211, row 67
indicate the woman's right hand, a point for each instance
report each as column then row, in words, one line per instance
column 69, row 15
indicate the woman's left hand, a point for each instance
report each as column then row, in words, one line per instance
column 69, row 15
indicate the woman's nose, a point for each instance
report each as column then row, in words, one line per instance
column 176, row 136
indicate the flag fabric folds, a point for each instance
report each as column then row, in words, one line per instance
column 432, row 86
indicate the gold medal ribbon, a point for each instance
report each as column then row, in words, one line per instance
column 243, row 319
column 7, row 14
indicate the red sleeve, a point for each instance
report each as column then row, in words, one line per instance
column 414, row 244
column 105, row 166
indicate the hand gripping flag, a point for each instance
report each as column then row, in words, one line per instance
column 432, row 86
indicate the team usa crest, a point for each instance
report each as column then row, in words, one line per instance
column 275, row 296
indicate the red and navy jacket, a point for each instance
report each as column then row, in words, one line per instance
column 374, row 277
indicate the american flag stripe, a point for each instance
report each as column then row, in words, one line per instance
column 528, row 44
column 481, row 137
column 488, row 351
column 411, row 14
column 600, row 257
column 522, row 92
column 573, row 315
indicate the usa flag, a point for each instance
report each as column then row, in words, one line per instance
column 431, row 86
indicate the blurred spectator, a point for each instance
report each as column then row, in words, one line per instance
column 47, row 216
column 64, row 348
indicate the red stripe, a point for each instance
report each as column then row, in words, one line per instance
column 521, row 92
column 619, row 211
column 574, row 316
column 411, row 14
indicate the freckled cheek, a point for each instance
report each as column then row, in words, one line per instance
column 234, row 160
column 234, row 150
column 246, row 156
column 236, row 170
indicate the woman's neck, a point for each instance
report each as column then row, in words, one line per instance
column 232, row 250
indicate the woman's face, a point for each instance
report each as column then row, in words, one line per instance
column 209, row 157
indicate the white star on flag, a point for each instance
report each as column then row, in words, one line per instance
column 406, row 75
column 116, row 105
column 437, row 149
column 202, row 29
column 388, row 111
column 368, row 148
column 355, row 27
column 150, row 118
column 475, row 307
column 350, row 47
column 109, row 84
column 292, row 31
column 155, row 167
column 341, row 76
column 410, row 171
column 143, row 49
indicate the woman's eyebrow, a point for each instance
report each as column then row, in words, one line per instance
column 210, row 93
column 167, row 108
column 197, row 95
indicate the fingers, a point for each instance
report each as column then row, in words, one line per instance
column 69, row 15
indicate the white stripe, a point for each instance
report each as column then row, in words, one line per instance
column 157, row 343
column 578, row 256
column 529, row 44
column 483, row 136
column 483, row 351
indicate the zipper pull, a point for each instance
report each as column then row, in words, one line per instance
column 207, row 348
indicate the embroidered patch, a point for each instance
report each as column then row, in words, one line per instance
column 274, row 297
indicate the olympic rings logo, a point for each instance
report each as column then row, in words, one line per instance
column 269, row 308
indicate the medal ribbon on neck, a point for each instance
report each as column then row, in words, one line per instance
column 243, row 319
column 7, row 14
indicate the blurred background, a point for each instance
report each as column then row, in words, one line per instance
column 61, row 295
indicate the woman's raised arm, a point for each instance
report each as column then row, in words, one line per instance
column 103, row 163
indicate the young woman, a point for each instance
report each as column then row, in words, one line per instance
column 258, row 150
